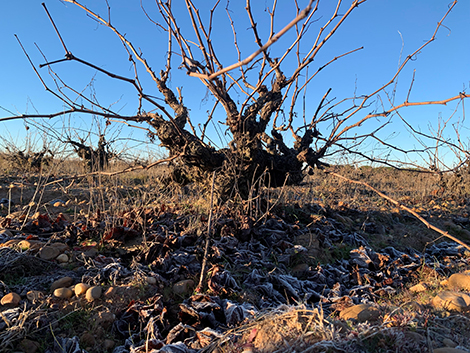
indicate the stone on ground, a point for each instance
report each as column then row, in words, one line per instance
column 62, row 258
column 93, row 293
column 64, row 293
column 11, row 299
column 151, row 280
column 451, row 301
column 81, row 288
column 448, row 350
column 49, row 253
column 360, row 312
column 459, row 281
column 61, row 283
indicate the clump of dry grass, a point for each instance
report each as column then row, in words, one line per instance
column 284, row 329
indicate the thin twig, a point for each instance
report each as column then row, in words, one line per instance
column 411, row 104
column 57, row 31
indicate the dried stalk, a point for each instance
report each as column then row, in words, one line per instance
column 208, row 239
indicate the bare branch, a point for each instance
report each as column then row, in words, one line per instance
column 412, row 104
column 304, row 13
column 56, row 30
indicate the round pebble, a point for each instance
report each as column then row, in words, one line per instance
column 459, row 281
column 151, row 280
column 62, row 258
column 93, row 293
column 450, row 301
column 61, row 283
column 64, row 293
column 81, row 288
column 49, row 252
column 360, row 312
column 11, row 299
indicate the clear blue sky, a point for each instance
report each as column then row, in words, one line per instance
column 381, row 26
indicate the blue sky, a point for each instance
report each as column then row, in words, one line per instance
column 386, row 29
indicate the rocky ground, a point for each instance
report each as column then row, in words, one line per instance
column 78, row 274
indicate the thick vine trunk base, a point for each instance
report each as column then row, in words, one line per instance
column 237, row 176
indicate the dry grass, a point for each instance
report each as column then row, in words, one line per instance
column 285, row 329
